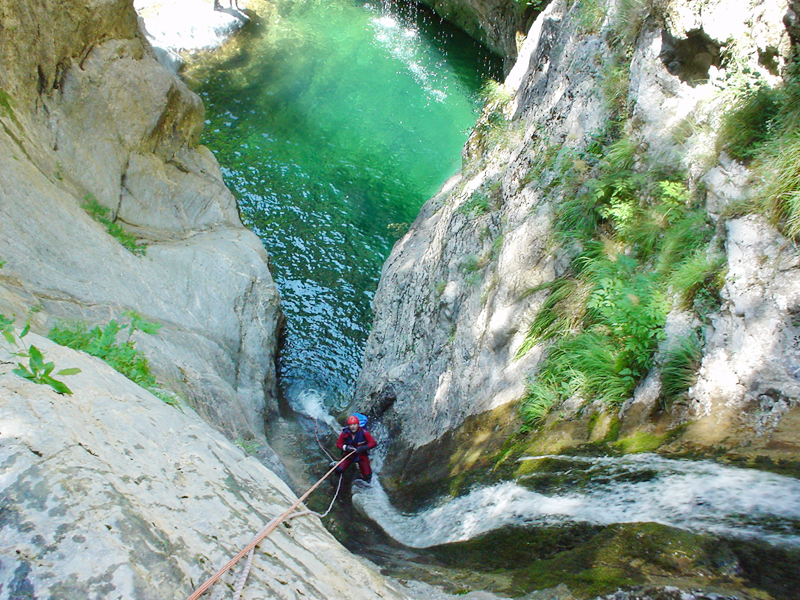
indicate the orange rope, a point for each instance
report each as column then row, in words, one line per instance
column 263, row 533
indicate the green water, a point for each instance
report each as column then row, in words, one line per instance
column 333, row 124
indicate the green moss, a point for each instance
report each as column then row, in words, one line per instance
column 589, row 560
column 6, row 109
column 641, row 441
column 613, row 430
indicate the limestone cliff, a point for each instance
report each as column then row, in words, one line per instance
column 89, row 117
column 455, row 330
column 499, row 24
column 110, row 493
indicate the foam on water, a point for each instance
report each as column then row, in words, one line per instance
column 699, row 496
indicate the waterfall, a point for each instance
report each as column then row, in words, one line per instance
column 700, row 496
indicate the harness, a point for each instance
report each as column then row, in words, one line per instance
column 354, row 439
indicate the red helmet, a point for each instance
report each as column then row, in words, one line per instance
column 352, row 419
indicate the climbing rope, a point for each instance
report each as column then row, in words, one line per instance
column 237, row 592
column 269, row 528
column 325, row 514
column 321, row 447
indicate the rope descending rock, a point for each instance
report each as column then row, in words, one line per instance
column 270, row 527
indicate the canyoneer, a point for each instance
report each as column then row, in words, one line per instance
column 356, row 438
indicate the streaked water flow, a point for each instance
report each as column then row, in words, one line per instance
column 333, row 124
column 700, row 496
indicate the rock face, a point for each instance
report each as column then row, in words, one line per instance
column 110, row 493
column 498, row 24
column 460, row 291
column 88, row 114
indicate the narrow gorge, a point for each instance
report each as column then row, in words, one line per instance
column 548, row 248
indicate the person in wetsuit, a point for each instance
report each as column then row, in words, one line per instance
column 356, row 438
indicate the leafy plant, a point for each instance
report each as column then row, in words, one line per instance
column 249, row 446
column 615, row 83
column 37, row 370
column 102, row 215
column 561, row 313
column 103, row 343
column 539, row 399
column 763, row 127
column 695, row 273
column 637, row 240
column 780, row 191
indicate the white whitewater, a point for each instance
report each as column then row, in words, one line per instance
column 699, row 496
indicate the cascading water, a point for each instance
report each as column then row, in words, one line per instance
column 333, row 125
column 700, row 496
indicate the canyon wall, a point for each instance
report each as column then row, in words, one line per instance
column 498, row 24
column 92, row 123
column 462, row 289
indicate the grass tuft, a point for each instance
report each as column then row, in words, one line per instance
column 780, row 192
column 679, row 371
column 102, row 215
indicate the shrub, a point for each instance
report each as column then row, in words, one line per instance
column 635, row 234
column 103, row 343
column 477, row 205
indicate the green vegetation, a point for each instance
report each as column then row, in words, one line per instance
column 249, row 446
column 762, row 128
column 121, row 355
column 5, row 104
column 477, row 205
column 37, row 370
column 640, row 240
column 679, row 370
column 102, row 343
column 749, row 123
column 590, row 15
column 102, row 215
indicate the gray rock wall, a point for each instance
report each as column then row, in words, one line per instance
column 455, row 301
column 498, row 24
column 111, row 494
column 88, row 113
